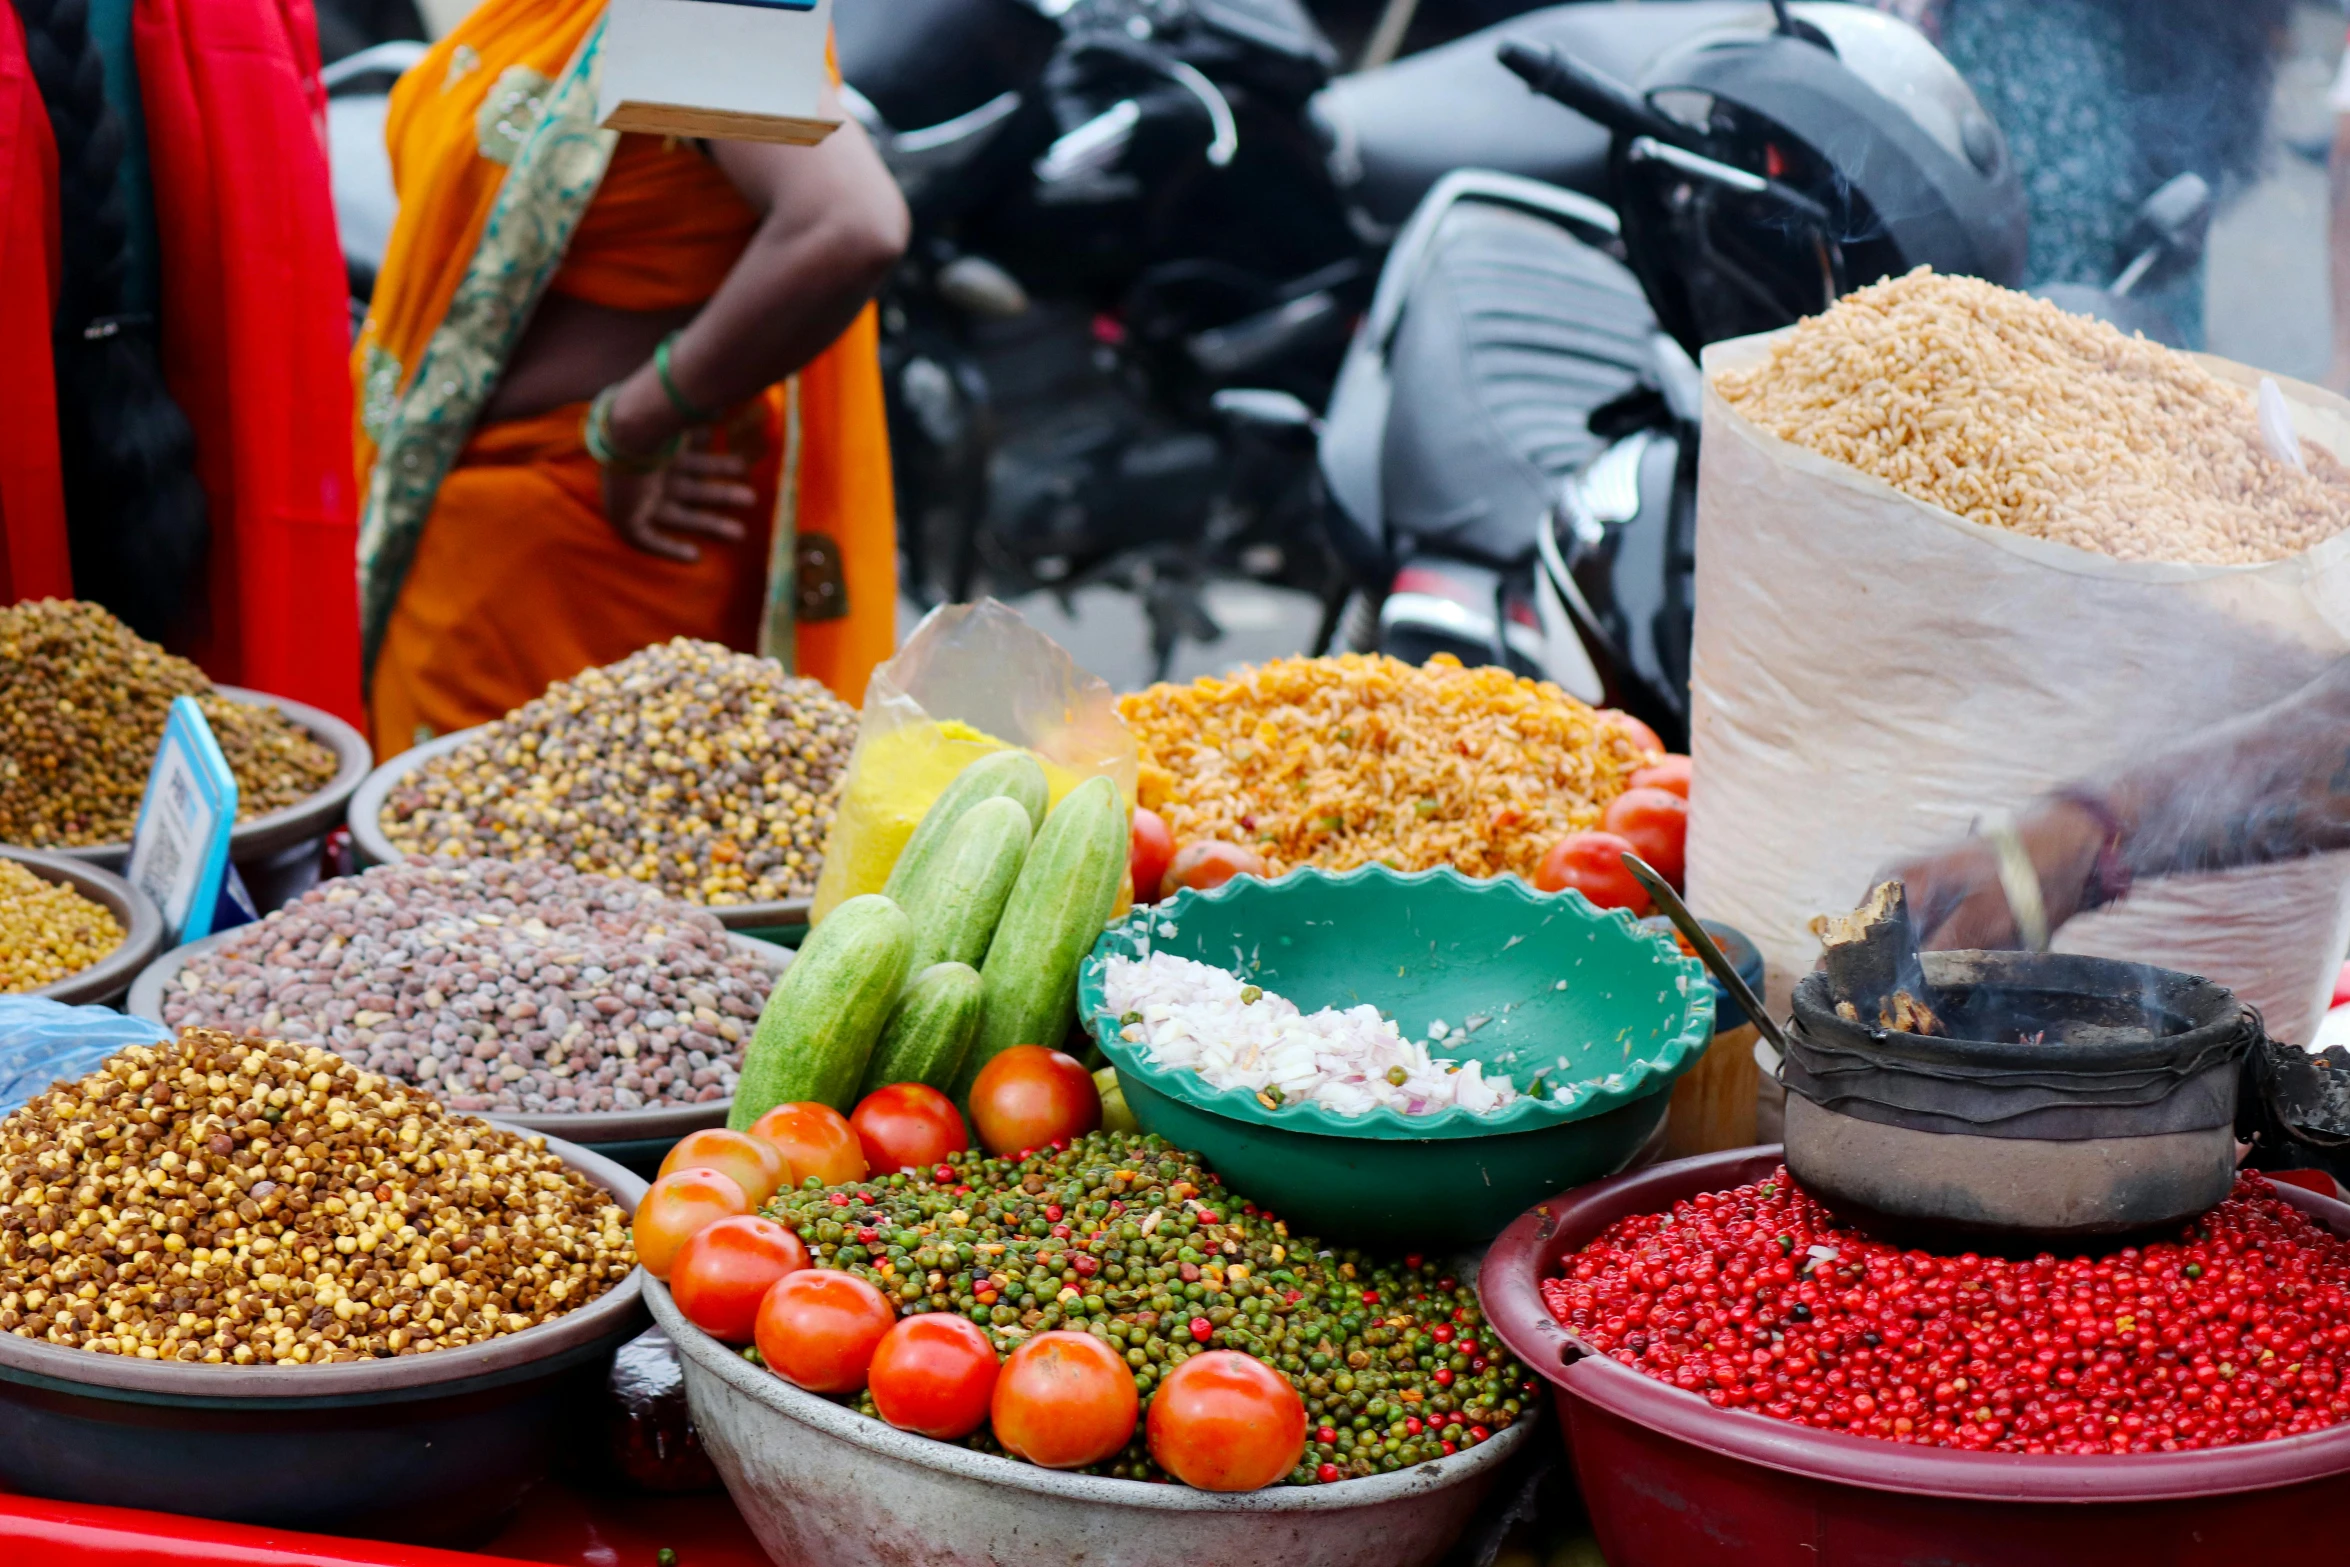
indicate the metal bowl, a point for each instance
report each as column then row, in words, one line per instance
column 824, row 1486
column 2119, row 1116
column 105, row 980
column 269, row 850
column 635, row 1138
column 785, row 918
column 422, row 1447
column 1608, row 1014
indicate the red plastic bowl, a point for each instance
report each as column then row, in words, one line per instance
column 1671, row 1481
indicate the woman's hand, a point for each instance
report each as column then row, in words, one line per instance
column 698, row 495
column 1959, row 902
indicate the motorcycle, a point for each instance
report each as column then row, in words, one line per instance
column 1120, row 208
column 1144, row 233
column 1511, row 448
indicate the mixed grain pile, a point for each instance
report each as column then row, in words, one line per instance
column 251, row 1202
column 82, row 705
column 2011, row 412
column 1338, row 762
column 709, row 773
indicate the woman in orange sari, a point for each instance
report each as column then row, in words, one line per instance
column 612, row 388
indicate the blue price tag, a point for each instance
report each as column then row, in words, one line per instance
column 179, row 851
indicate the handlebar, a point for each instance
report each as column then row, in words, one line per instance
column 1590, row 93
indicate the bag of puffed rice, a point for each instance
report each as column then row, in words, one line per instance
column 1874, row 675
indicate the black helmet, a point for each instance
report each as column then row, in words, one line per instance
column 1864, row 154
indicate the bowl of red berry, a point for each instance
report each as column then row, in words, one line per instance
column 1742, row 1376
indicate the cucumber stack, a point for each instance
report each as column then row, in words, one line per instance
column 971, row 947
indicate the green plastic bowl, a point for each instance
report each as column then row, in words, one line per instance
column 1605, row 1013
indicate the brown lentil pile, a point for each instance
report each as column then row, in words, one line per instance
column 1131, row 1240
column 82, row 705
column 253, row 1202
column 48, row 930
column 709, row 773
column 505, row 985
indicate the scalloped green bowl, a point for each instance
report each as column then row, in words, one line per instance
column 1607, row 1014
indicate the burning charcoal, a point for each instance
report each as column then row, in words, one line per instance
column 1871, row 960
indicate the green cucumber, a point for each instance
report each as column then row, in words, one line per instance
column 956, row 902
column 818, row 1027
column 1067, row 888
column 1013, row 775
column 929, row 1031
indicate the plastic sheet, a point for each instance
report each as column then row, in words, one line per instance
column 973, row 678
column 42, row 1041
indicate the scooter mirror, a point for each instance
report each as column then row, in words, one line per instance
column 2176, row 217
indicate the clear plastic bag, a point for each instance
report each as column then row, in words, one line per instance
column 972, row 679
column 44, row 1041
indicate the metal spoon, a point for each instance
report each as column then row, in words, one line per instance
column 1707, row 950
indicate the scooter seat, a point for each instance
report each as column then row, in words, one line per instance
column 1515, row 332
column 1405, row 126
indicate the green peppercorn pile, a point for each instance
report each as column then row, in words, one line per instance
column 1131, row 1240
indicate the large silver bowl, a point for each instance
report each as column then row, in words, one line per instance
column 435, row 1446
column 823, row 1486
column 105, row 980
column 376, row 848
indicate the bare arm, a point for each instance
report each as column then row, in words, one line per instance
column 2271, row 785
column 831, row 226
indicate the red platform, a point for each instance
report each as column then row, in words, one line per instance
column 557, row 1524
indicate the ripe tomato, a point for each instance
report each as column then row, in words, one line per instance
column 1064, row 1400
column 1591, row 863
column 816, row 1140
column 934, row 1374
column 1203, row 865
column 907, row 1125
column 1028, row 1095
column 1657, row 825
column 1150, row 847
column 680, row 1203
column 1224, row 1421
column 1670, row 774
column 726, row 1269
column 1643, row 738
column 756, row 1164
column 818, row 1328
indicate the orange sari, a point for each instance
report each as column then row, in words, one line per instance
column 489, row 570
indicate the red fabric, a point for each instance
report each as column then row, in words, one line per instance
column 33, row 561
column 256, row 336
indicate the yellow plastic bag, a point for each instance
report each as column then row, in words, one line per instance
column 973, row 678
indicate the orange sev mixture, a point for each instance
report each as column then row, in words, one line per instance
column 1342, row 761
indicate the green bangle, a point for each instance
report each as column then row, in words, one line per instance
column 685, row 406
column 595, row 433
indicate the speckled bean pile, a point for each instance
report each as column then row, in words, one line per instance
column 499, row 985
column 709, row 773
